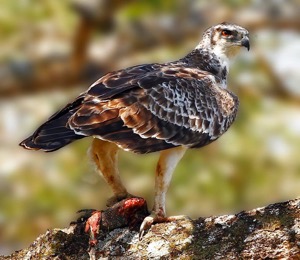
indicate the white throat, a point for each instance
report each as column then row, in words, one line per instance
column 221, row 54
column 217, row 50
column 224, row 62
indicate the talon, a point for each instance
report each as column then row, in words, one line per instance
column 154, row 218
column 149, row 221
column 146, row 224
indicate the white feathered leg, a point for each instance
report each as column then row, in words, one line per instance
column 105, row 156
column 167, row 162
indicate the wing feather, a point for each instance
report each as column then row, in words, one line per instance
column 153, row 107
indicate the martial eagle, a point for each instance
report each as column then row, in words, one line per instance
column 167, row 107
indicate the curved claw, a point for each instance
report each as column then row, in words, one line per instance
column 146, row 224
column 151, row 219
column 154, row 218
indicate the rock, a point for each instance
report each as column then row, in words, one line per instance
column 269, row 232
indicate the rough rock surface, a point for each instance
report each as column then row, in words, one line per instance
column 272, row 232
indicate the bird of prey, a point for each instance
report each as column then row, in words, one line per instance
column 167, row 107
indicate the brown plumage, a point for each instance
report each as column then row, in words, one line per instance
column 144, row 109
column 152, row 107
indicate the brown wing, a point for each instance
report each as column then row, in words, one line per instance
column 54, row 134
column 153, row 107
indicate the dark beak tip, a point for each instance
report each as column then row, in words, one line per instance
column 246, row 43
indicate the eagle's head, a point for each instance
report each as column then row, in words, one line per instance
column 225, row 39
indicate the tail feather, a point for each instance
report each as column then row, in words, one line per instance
column 54, row 134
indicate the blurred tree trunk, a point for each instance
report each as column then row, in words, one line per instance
column 94, row 16
column 263, row 233
column 99, row 16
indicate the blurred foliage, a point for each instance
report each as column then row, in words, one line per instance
column 254, row 164
column 27, row 12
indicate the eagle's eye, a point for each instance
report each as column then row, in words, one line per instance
column 226, row 33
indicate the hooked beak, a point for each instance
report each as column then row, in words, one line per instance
column 245, row 42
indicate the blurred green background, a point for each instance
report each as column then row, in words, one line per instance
column 50, row 51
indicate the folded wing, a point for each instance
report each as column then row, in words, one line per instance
column 158, row 109
column 144, row 109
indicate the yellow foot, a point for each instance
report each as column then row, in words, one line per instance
column 155, row 218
